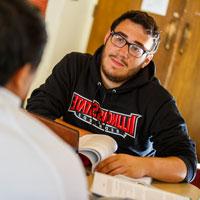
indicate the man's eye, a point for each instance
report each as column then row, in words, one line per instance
column 135, row 48
column 119, row 38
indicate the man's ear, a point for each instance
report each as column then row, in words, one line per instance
column 106, row 37
column 148, row 58
column 21, row 81
column 21, row 76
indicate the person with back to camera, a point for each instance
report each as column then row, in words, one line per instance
column 115, row 92
column 35, row 163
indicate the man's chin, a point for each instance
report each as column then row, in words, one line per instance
column 115, row 78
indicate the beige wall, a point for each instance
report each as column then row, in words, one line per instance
column 68, row 26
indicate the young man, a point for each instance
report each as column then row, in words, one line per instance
column 35, row 163
column 115, row 92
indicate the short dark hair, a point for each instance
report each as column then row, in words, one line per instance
column 142, row 18
column 22, row 37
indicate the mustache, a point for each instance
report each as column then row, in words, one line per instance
column 120, row 58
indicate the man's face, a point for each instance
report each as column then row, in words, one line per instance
column 118, row 65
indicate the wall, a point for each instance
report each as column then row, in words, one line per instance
column 68, row 26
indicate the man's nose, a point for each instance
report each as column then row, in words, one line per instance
column 124, row 51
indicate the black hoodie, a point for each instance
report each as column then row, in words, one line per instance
column 140, row 115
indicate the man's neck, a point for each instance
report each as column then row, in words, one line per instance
column 10, row 86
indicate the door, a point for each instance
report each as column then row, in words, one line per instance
column 184, row 79
column 177, row 59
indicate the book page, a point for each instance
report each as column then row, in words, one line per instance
column 110, row 186
column 143, row 180
column 97, row 147
column 92, row 155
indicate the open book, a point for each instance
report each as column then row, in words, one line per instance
column 144, row 180
column 96, row 147
column 115, row 187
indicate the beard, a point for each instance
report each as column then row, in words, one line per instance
column 120, row 76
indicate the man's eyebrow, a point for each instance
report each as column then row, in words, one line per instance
column 134, row 42
column 139, row 44
column 122, row 34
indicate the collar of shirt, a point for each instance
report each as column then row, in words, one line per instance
column 8, row 97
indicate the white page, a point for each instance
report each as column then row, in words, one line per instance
column 103, row 144
column 143, row 180
column 155, row 6
column 110, row 186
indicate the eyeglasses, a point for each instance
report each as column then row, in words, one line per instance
column 134, row 49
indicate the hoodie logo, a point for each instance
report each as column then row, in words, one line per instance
column 106, row 120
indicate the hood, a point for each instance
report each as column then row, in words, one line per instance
column 140, row 79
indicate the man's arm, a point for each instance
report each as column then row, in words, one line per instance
column 170, row 138
column 175, row 157
column 169, row 169
column 50, row 99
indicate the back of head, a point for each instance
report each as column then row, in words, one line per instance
column 142, row 18
column 22, row 37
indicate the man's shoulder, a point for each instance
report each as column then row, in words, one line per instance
column 35, row 139
column 157, row 90
column 77, row 57
column 75, row 61
column 26, row 120
column 154, row 95
column 41, row 134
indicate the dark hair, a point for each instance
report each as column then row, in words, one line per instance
column 22, row 37
column 143, row 19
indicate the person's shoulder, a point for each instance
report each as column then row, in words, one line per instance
column 43, row 135
column 157, row 90
column 74, row 61
column 155, row 96
column 77, row 57
column 37, row 129
column 58, row 153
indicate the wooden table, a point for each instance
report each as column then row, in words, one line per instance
column 184, row 189
column 81, row 131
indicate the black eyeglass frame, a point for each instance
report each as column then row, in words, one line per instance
column 113, row 33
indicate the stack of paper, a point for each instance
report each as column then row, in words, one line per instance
column 112, row 186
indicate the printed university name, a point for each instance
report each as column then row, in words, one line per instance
column 103, row 119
